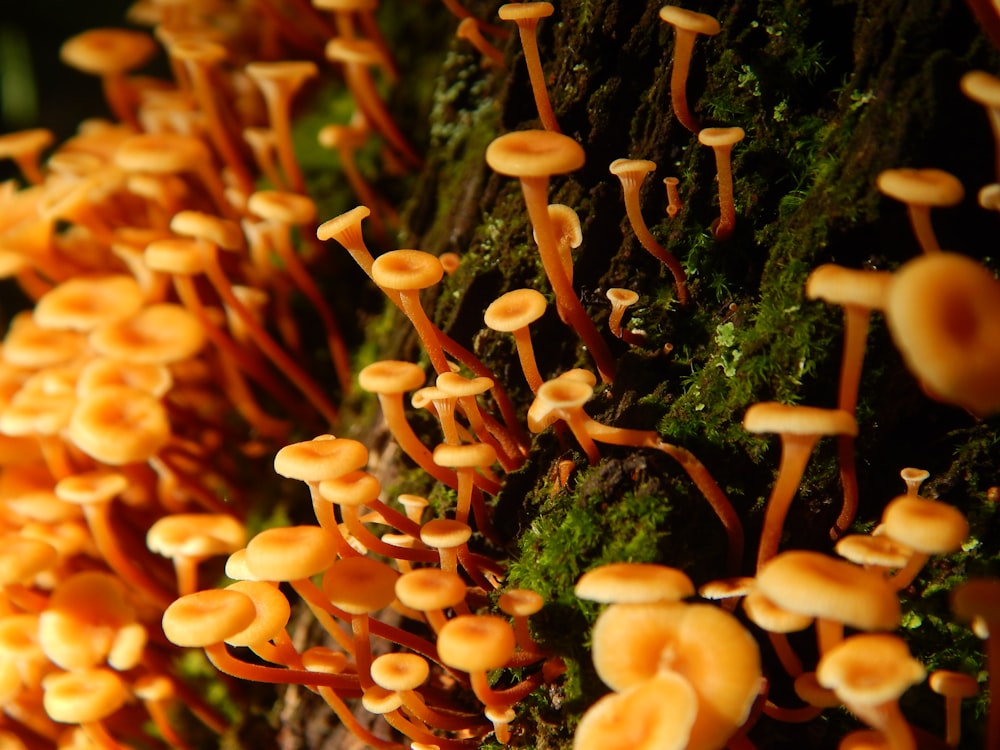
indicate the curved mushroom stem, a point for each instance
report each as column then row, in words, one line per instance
column 535, row 190
column 856, row 320
column 351, row 723
column 889, row 720
column 920, row 220
column 795, row 453
column 683, row 49
column 527, row 29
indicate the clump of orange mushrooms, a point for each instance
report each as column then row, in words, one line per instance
column 161, row 357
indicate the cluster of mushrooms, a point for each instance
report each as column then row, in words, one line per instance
column 162, row 354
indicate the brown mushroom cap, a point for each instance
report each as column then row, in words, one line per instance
column 534, row 153
column 701, row 643
column 690, row 20
column 820, row 586
column 921, row 187
column 943, row 313
column 633, row 582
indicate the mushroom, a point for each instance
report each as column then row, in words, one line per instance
column 979, row 599
column 513, row 312
column 533, row 156
column 921, row 190
column 800, row 428
column 621, row 300
column 674, row 204
column 468, row 29
column 527, row 16
column 25, row 148
column 926, row 527
column 943, row 312
column 954, row 686
column 190, row 538
column 858, row 292
column 707, row 647
column 687, row 25
column 869, row 672
column 631, row 173
column 279, row 82
column 721, row 141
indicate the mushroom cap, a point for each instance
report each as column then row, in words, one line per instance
column 84, row 302
column 282, row 207
column 207, row 617
column 869, row 669
column 332, row 229
column 108, row 51
column 390, row 376
column 427, row 589
column 83, row 696
column 848, row 286
column 119, row 425
column 272, row 613
column 769, row 616
column 631, row 167
column 522, row 11
column 921, row 187
column 407, row 270
column 464, row 456
column 400, row 671
column 453, row 384
column 927, row 526
column 534, row 153
column 820, row 586
column 161, row 153
column 982, row 87
column 656, row 714
column 689, row 20
column 701, row 643
column 445, row 533
column 619, row 296
column 772, row 417
column 634, row 583
column 225, row 233
column 324, row 457
column 720, row 137
column 22, row 558
column 161, row 333
column 565, row 393
column 196, row 535
column 520, row 602
column 476, row 643
column 353, row 51
column 881, row 551
column 288, row 75
column 943, row 313
column 23, row 142
column 95, row 486
column 354, row 488
column 515, row 309
column 179, row 256
column 290, row 553
column 360, row 585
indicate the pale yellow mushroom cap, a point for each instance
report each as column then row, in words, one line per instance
column 701, row 643
column 534, row 153
column 83, row 696
column 633, row 582
column 655, row 714
column 476, row 643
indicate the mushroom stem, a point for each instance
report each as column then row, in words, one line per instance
column 535, row 190
column 468, row 29
column 631, row 172
column 795, row 453
column 527, row 16
column 721, row 141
